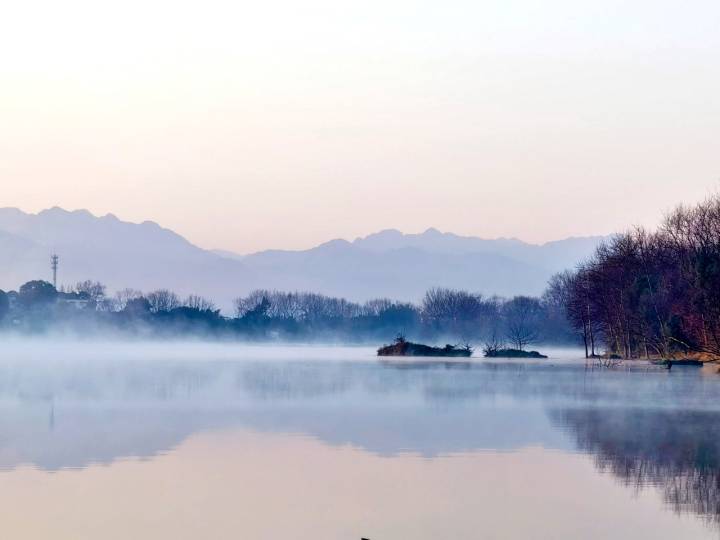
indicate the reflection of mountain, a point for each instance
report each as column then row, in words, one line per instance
column 74, row 437
column 73, row 413
column 678, row 451
column 54, row 437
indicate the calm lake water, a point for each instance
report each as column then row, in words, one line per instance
column 192, row 441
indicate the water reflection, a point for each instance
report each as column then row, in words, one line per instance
column 677, row 451
column 647, row 429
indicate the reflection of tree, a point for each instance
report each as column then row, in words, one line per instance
column 677, row 451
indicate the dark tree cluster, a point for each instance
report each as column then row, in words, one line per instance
column 443, row 314
column 650, row 293
column 86, row 309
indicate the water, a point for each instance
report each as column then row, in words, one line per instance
column 195, row 441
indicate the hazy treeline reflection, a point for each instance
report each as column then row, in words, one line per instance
column 675, row 450
column 659, row 428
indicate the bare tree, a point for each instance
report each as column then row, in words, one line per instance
column 198, row 302
column 654, row 293
column 376, row 306
column 123, row 296
column 163, row 300
column 458, row 312
column 521, row 316
column 93, row 289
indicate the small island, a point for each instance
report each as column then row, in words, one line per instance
column 511, row 353
column 402, row 347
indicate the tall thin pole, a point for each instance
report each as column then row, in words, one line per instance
column 54, row 265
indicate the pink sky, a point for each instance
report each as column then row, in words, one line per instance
column 246, row 126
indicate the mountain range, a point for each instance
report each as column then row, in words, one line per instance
column 389, row 263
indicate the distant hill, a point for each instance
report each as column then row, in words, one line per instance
column 389, row 263
column 120, row 254
column 403, row 266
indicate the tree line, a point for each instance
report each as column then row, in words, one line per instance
column 650, row 293
column 442, row 314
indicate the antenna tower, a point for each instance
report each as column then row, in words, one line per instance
column 54, row 265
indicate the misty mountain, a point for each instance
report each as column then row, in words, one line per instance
column 552, row 255
column 404, row 266
column 389, row 263
column 120, row 254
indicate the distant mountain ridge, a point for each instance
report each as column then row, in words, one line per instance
column 388, row 263
column 554, row 255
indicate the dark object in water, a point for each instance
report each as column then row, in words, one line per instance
column 402, row 347
column 512, row 353
column 688, row 362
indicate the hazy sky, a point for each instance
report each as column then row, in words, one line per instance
column 247, row 125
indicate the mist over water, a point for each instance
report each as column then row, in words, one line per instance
column 390, row 428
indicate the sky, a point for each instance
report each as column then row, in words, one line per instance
column 280, row 124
